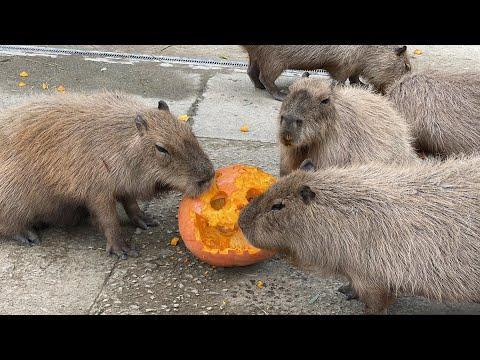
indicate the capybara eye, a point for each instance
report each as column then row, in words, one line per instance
column 325, row 101
column 278, row 206
column 161, row 149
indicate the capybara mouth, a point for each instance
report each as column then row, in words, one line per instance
column 199, row 188
column 287, row 139
column 162, row 187
column 244, row 221
column 287, row 142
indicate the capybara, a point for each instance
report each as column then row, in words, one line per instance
column 339, row 125
column 390, row 229
column 66, row 153
column 442, row 108
column 380, row 65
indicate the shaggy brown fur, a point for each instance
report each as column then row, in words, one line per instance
column 67, row 153
column 389, row 229
column 380, row 65
column 339, row 125
column 442, row 108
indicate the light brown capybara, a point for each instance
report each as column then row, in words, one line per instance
column 390, row 229
column 66, row 154
column 380, row 65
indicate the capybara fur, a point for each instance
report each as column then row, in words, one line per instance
column 390, row 229
column 338, row 125
column 63, row 155
column 442, row 108
column 380, row 65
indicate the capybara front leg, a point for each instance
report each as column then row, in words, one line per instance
column 136, row 215
column 376, row 300
column 105, row 212
column 253, row 72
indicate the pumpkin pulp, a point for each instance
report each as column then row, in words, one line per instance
column 216, row 224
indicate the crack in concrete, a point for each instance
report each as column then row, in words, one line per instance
column 192, row 111
column 106, row 279
column 165, row 48
column 102, row 287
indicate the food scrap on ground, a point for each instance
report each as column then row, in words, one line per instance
column 244, row 128
column 24, row 74
column 174, row 241
column 183, row 117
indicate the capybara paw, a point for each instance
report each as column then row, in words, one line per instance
column 374, row 311
column 348, row 291
column 28, row 238
column 121, row 249
column 144, row 221
column 149, row 220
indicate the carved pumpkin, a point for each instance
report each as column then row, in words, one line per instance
column 208, row 224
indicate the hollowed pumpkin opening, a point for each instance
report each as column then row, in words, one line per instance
column 216, row 225
column 209, row 225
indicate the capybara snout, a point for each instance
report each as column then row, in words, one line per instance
column 290, row 127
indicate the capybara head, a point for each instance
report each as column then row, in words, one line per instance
column 386, row 66
column 170, row 153
column 307, row 111
column 281, row 215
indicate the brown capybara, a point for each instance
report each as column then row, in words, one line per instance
column 443, row 110
column 70, row 153
column 380, row 65
column 390, row 229
column 339, row 125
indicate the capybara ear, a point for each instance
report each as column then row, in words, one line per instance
column 307, row 194
column 401, row 50
column 141, row 124
column 307, row 165
column 162, row 105
column 306, row 74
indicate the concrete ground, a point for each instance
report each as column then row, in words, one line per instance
column 69, row 273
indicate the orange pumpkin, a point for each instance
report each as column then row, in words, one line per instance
column 208, row 224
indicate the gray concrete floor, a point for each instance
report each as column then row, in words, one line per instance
column 69, row 273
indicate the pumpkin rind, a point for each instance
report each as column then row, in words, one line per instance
column 190, row 213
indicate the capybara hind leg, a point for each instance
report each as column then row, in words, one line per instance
column 268, row 77
column 136, row 215
column 105, row 212
column 376, row 300
column 27, row 238
column 355, row 80
column 253, row 72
